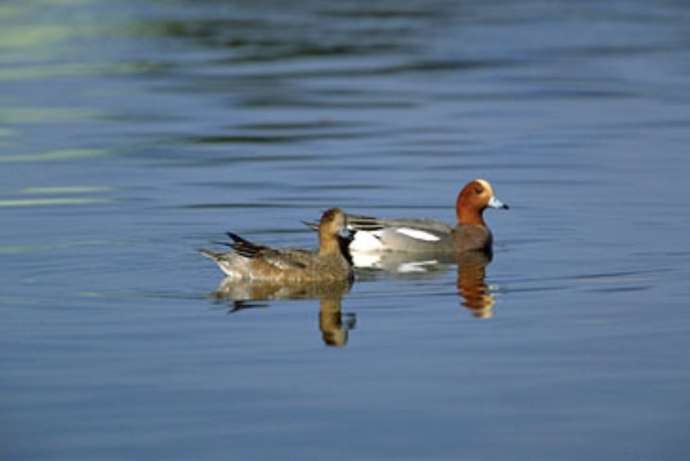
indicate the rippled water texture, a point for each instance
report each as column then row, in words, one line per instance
column 132, row 133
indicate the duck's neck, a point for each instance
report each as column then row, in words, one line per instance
column 470, row 216
column 328, row 244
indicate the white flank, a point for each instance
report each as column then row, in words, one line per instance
column 417, row 234
column 227, row 269
column 367, row 260
column 365, row 241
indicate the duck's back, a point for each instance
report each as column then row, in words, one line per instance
column 298, row 265
column 408, row 235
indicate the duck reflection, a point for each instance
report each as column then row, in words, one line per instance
column 333, row 323
column 402, row 265
column 471, row 286
column 471, row 273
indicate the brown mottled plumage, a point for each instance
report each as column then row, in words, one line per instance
column 250, row 261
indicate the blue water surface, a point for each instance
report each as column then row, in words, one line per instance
column 133, row 133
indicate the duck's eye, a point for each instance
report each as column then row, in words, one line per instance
column 478, row 190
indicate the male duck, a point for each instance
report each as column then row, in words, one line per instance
column 249, row 261
column 430, row 236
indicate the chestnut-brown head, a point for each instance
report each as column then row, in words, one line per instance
column 473, row 199
column 332, row 224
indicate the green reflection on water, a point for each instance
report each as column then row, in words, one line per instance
column 66, row 2
column 34, row 36
column 44, row 114
column 64, row 190
column 69, row 70
column 13, row 203
column 7, row 133
column 21, row 249
column 56, row 155
column 57, row 201
column 8, row 11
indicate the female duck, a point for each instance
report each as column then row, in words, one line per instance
column 429, row 236
column 249, row 261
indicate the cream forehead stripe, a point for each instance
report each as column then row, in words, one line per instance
column 486, row 185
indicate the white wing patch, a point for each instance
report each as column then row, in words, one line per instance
column 417, row 234
column 365, row 241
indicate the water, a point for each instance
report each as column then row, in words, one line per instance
column 133, row 133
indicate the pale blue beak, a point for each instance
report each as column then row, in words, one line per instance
column 496, row 203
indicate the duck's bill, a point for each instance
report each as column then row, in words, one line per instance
column 496, row 203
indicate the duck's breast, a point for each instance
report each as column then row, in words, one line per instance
column 470, row 237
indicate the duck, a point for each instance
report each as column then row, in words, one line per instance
column 249, row 261
column 413, row 235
